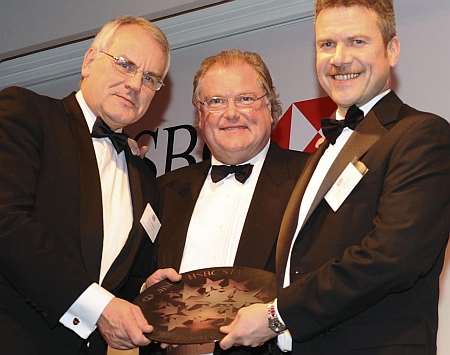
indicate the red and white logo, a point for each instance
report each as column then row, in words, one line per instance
column 299, row 127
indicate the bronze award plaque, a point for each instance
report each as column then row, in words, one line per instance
column 192, row 310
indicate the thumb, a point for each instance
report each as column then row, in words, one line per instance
column 226, row 342
column 225, row 329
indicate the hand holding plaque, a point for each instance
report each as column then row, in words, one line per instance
column 192, row 311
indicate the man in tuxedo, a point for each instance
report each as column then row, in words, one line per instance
column 362, row 240
column 227, row 210
column 72, row 195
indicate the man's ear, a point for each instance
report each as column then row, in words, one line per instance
column 89, row 57
column 200, row 118
column 393, row 51
column 269, row 105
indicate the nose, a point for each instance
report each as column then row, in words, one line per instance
column 341, row 55
column 230, row 111
column 134, row 82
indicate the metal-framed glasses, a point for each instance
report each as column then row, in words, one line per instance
column 127, row 67
column 220, row 103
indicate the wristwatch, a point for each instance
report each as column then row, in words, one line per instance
column 275, row 323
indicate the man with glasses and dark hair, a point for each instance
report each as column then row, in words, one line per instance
column 72, row 195
column 227, row 210
column 362, row 241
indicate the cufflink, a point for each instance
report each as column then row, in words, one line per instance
column 76, row 321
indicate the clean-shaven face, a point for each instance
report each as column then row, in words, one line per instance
column 118, row 98
column 234, row 135
column 353, row 63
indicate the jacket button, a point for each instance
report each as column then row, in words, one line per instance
column 76, row 321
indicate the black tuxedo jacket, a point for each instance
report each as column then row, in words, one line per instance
column 51, row 224
column 179, row 191
column 364, row 279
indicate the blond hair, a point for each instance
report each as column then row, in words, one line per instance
column 235, row 56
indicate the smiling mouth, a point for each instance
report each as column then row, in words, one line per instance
column 233, row 128
column 345, row 77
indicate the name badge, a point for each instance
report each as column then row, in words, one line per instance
column 150, row 222
column 345, row 183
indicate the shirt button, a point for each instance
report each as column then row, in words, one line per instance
column 76, row 321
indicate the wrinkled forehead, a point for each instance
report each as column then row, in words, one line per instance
column 134, row 38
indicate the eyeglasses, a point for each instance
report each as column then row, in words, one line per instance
column 220, row 103
column 127, row 67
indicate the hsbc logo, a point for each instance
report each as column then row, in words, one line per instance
column 299, row 127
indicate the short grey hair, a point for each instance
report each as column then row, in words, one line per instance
column 106, row 34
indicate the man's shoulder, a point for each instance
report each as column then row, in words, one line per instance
column 412, row 124
column 183, row 174
column 394, row 113
column 415, row 115
column 18, row 93
column 20, row 100
column 289, row 156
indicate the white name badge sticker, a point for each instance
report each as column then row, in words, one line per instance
column 345, row 183
column 150, row 222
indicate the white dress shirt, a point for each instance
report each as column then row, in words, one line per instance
column 218, row 218
column 83, row 314
column 324, row 164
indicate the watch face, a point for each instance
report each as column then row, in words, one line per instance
column 278, row 327
column 192, row 310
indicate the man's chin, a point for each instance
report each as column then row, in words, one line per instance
column 123, row 117
column 344, row 101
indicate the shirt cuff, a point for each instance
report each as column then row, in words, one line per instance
column 284, row 340
column 143, row 287
column 83, row 314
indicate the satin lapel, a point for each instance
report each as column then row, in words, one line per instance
column 122, row 264
column 91, row 213
column 290, row 217
column 179, row 203
column 366, row 134
column 260, row 231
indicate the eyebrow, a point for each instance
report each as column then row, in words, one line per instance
column 158, row 76
column 145, row 72
column 239, row 94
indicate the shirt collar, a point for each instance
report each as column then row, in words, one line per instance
column 368, row 105
column 87, row 112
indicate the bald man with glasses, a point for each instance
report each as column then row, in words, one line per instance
column 72, row 195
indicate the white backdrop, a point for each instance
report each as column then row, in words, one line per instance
column 421, row 80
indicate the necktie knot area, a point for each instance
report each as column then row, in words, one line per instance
column 102, row 130
column 241, row 172
column 332, row 128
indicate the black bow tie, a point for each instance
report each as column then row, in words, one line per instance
column 332, row 128
column 101, row 130
column 241, row 172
